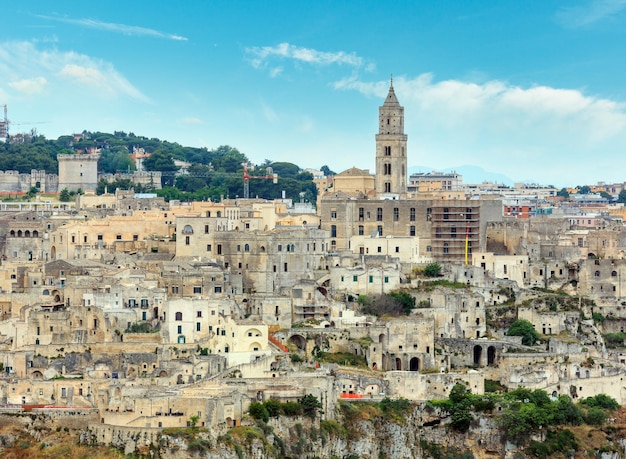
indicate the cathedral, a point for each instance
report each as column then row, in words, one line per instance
column 446, row 226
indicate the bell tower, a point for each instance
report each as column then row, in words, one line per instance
column 391, row 151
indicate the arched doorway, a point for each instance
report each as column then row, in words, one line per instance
column 398, row 364
column 414, row 364
column 478, row 353
column 299, row 341
column 491, row 355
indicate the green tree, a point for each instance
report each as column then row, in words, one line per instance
column 64, row 195
column 525, row 329
column 258, row 411
column 621, row 197
column 432, row 270
column 563, row 192
column 595, row 416
column 585, row 189
column 310, row 405
column 273, row 407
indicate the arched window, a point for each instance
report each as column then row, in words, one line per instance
column 246, row 248
column 179, row 316
column 445, row 247
column 187, row 229
column 597, row 274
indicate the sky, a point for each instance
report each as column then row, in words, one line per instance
column 532, row 90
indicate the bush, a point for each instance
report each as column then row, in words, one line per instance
column 258, row 411
column 525, row 329
column 432, row 270
column 601, row 401
column 595, row 416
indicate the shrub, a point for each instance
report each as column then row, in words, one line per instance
column 432, row 270
column 601, row 401
column 525, row 329
column 258, row 411
column 595, row 416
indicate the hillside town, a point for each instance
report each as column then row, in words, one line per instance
column 142, row 314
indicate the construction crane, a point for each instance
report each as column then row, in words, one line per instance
column 4, row 125
column 246, row 178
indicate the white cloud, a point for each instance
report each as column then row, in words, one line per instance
column 63, row 72
column 116, row 28
column 260, row 57
column 537, row 131
column 585, row 15
column 191, row 121
column 29, row 85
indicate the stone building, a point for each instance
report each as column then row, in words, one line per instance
column 79, row 171
column 449, row 226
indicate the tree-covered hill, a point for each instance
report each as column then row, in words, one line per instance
column 211, row 174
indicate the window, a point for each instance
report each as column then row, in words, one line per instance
column 73, row 239
column 380, row 230
column 187, row 240
column 118, row 237
column 446, row 212
column 197, row 289
column 453, row 233
column 279, row 248
column 597, row 273
column 208, row 247
column 445, row 247
column 580, row 242
column 429, row 248
column 135, row 237
column 387, row 149
column 386, row 279
column 387, row 187
column 361, row 230
column 179, row 316
column 379, row 214
column 361, row 212
column 333, row 231
column 380, row 249
column 396, row 214
column 285, row 266
column 238, row 247
column 438, row 233
column 180, row 329
column 412, row 214
column 144, row 315
column 217, row 289
column 198, row 313
column 246, row 248
column 355, row 278
column 206, row 229
column 371, row 279
column 412, row 230
column 333, row 214
column 219, row 249
column 198, row 326
column 387, row 169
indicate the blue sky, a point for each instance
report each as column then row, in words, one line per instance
column 534, row 90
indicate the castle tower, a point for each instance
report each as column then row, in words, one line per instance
column 391, row 151
column 78, row 171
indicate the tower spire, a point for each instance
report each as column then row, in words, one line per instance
column 391, row 81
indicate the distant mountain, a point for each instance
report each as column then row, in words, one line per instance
column 471, row 174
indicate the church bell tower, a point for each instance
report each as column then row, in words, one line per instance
column 391, row 151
